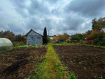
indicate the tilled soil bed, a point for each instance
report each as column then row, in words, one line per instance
column 87, row 62
column 20, row 63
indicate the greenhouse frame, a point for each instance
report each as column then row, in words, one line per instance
column 5, row 45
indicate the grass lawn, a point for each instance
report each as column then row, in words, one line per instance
column 65, row 43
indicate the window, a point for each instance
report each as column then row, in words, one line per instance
column 32, row 38
column 29, row 39
column 38, row 38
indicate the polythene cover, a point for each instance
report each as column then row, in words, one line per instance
column 5, row 44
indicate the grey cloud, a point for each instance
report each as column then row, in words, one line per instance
column 19, row 3
column 55, row 12
column 34, row 23
column 38, row 8
column 40, row 14
column 9, row 23
column 34, row 8
column 48, row 23
column 12, row 27
column 22, row 12
column 52, row 1
column 59, row 26
column 20, row 7
column 86, row 7
column 73, row 23
column 4, row 19
column 39, row 24
column 15, row 28
column 1, row 9
column 2, row 26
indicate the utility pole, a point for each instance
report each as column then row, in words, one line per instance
column 48, row 32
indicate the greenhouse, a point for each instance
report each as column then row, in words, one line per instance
column 5, row 45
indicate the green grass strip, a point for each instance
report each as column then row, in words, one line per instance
column 94, row 45
column 51, row 67
column 65, row 43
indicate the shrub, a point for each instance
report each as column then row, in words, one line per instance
column 96, row 38
column 17, row 43
column 68, row 40
column 81, row 41
column 74, row 38
column 75, row 41
column 102, row 42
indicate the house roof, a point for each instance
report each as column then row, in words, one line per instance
column 103, row 29
column 33, row 31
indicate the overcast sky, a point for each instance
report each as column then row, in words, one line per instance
column 58, row 16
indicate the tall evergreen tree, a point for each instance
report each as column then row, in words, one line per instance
column 45, row 36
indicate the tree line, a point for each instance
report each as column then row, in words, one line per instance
column 14, row 38
column 98, row 24
column 94, row 36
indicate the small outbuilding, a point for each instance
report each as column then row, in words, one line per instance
column 5, row 45
column 34, row 38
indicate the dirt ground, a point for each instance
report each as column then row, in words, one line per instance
column 20, row 63
column 87, row 62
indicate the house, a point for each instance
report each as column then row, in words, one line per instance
column 102, row 30
column 51, row 37
column 34, row 38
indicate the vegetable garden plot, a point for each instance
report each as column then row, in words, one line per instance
column 20, row 63
column 86, row 62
